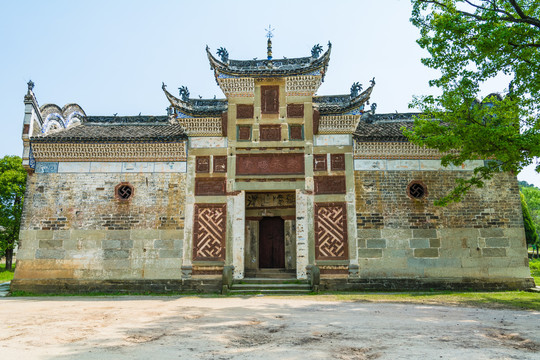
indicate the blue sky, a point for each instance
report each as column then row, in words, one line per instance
column 111, row 56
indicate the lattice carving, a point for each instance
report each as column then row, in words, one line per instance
column 306, row 85
column 343, row 124
column 241, row 87
column 110, row 152
column 209, row 230
column 201, row 126
column 393, row 150
column 330, row 231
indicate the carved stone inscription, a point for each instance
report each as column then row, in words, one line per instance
column 330, row 231
column 220, row 164
column 202, row 164
column 337, row 161
column 209, row 229
column 244, row 111
column 270, row 200
column 295, row 110
column 296, row 132
column 270, row 99
column 329, row 184
column 270, row 132
column 269, row 164
column 210, row 186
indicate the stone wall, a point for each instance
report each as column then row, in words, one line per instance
column 479, row 238
column 75, row 228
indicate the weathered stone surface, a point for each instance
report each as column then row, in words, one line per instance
column 369, row 253
column 419, row 243
column 426, row 252
column 375, row 243
column 50, row 244
column 497, row 242
column 50, row 254
column 494, row 252
column 115, row 254
column 424, row 233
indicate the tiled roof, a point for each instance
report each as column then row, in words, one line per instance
column 340, row 104
column 198, row 107
column 383, row 127
column 125, row 128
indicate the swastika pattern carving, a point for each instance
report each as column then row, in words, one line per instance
column 330, row 231
column 209, row 232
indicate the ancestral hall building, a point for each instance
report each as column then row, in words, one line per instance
column 270, row 177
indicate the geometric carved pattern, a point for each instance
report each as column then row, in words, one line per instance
column 417, row 190
column 110, row 151
column 319, row 162
column 295, row 110
column 270, row 164
column 201, row 126
column 123, row 191
column 241, row 87
column 244, row 111
column 210, row 186
column 209, row 228
column 305, row 85
column 270, row 132
column 338, row 124
column 337, row 161
column 331, row 231
column 329, row 184
column 393, row 150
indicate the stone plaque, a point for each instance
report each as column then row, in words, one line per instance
column 270, row 132
column 295, row 110
column 209, row 228
column 331, row 231
column 244, row 132
column 202, row 164
column 329, row 184
column 210, row 186
column 270, row 99
column 269, row 164
column 296, row 132
column 220, row 164
column 244, row 111
column 270, row 200
column 319, row 162
column 337, row 161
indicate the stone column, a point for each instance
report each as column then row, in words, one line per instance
column 188, row 221
column 236, row 212
column 350, row 199
column 302, row 234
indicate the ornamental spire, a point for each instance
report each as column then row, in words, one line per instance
column 269, row 35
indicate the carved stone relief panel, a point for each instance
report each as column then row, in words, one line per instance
column 202, row 164
column 270, row 200
column 295, row 110
column 270, row 132
column 329, row 184
column 209, row 230
column 220, row 164
column 296, row 132
column 337, row 161
column 244, row 111
column 270, row 99
column 319, row 162
column 331, row 231
column 244, row 132
column 269, row 164
column 210, row 186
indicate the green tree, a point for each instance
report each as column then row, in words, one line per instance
column 530, row 230
column 12, row 186
column 532, row 197
column 470, row 42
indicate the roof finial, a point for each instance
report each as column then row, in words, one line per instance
column 269, row 35
column 30, row 85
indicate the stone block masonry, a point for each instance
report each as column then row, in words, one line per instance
column 75, row 228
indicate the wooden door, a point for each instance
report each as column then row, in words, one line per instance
column 271, row 243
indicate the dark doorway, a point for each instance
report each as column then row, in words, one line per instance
column 271, row 243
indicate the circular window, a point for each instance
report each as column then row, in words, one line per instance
column 417, row 190
column 124, row 191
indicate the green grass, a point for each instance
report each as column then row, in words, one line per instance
column 4, row 274
column 534, row 265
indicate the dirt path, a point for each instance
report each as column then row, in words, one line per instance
column 259, row 327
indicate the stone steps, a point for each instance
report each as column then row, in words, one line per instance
column 279, row 285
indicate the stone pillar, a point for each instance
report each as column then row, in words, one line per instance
column 188, row 221
column 236, row 213
column 302, row 234
column 351, row 215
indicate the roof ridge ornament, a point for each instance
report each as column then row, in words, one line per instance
column 184, row 93
column 269, row 35
column 316, row 51
column 355, row 89
column 30, row 86
column 223, row 54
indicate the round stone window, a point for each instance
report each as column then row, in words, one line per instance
column 417, row 190
column 123, row 191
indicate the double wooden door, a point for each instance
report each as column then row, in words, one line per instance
column 271, row 243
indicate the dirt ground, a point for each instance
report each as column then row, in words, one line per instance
column 258, row 327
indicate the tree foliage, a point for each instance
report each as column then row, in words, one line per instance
column 12, row 186
column 470, row 42
column 531, row 234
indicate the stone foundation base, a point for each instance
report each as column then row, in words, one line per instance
column 70, row 286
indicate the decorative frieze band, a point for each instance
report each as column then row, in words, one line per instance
column 110, row 152
column 393, row 150
column 201, row 126
column 344, row 124
column 239, row 87
column 306, row 85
